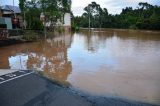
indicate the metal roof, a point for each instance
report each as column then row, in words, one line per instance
column 16, row 9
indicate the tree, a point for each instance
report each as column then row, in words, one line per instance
column 94, row 12
column 23, row 8
column 53, row 10
column 146, row 16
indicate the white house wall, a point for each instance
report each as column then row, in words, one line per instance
column 67, row 19
column 8, row 22
column 7, row 12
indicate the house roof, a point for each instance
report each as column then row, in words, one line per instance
column 16, row 9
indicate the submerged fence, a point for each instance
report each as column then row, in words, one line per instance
column 4, row 34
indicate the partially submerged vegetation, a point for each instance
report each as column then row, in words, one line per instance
column 145, row 16
column 30, row 35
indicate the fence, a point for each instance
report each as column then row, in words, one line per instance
column 4, row 34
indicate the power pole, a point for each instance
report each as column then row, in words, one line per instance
column 89, row 19
column 43, row 19
column 14, row 10
column 13, row 2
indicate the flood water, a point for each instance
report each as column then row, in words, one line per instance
column 108, row 63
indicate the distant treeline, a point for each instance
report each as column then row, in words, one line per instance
column 145, row 16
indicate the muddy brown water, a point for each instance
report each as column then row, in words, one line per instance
column 106, row 62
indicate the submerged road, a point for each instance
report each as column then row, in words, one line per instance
column 24, row 88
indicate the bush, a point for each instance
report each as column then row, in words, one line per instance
column 59, row 29
column 133, row 27
column 37, row 25
column 15, row 32
column 30, row 35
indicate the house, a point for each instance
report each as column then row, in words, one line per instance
column 2, row 21
column 0, row 12
column 66, row 22
column 10, row 11
column 12, row 16
column 5, row 23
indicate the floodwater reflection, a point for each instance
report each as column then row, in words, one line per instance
column 106, row 62
column 48, row 57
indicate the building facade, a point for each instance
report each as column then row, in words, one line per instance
column 11, row 16
column 67, row 21
column 0, row 12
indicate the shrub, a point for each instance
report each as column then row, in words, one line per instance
column 30, row 35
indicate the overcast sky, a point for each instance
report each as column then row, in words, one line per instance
column 113, row 6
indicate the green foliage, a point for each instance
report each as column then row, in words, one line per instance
column 52, row 9
column 15, row 32
column 32, row 18
column 146, row 16
column 30, row 35
column 22, row 4
column 59, row 29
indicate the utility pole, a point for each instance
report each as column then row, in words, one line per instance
column 100, row 17
column 45, row 31
column 24, row 19
column 14, row 10
column 13, row 2
column 89, row 18
column 43, row 19
column 24, row 15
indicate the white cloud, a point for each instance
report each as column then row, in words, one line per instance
column 113, row 6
